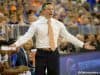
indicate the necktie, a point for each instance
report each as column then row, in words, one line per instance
column 51, row 36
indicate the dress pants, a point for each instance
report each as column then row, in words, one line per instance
column 47, row 60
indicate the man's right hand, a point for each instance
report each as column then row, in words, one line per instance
column 13, row 47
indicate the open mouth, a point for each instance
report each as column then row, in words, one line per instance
column 51, row 14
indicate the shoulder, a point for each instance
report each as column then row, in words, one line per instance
column 57, row 21
column 35, row 24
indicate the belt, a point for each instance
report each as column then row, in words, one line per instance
column 45, row 49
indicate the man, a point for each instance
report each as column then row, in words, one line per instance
column 21, row 57
column 47, row 30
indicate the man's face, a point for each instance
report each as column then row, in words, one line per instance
column 49, row 10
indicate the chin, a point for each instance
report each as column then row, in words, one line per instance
column 50, row 15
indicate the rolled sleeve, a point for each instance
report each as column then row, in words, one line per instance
column 64, row 33
column 27, row 36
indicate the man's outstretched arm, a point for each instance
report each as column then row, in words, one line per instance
column 64, row 33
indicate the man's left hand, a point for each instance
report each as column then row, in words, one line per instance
column 89, row 47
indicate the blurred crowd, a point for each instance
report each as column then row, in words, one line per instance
column 21, row 62
column 69, row 48
column 81, row 18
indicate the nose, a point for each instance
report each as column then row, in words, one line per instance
column 51, row 10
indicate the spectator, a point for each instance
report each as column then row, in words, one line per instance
column 91, row 39
column 21, row 57
column 92, row 3
column 31, row 16
column 98, row 42
column 13, row 19
column 21, row 20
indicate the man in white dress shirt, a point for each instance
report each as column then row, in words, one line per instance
column 47, row 57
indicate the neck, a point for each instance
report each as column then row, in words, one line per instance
column 46, row 16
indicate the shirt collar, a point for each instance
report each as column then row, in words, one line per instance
column 44, row 19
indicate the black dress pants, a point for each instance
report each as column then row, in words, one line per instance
column 47, row 60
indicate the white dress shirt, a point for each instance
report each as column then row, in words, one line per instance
column 25, row 73
column 0, row 57
column 39, row 28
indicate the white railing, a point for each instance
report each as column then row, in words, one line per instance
column 14, row 31
column 84, row 29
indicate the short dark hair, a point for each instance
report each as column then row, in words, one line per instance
column 44, row 5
